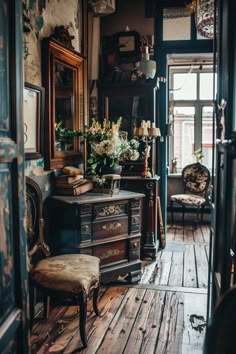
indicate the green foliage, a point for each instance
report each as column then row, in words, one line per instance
column 107, row 147
column 66, row 132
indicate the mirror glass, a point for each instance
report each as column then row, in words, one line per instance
column 64, row 105
column 65, row 102
column 132, row 109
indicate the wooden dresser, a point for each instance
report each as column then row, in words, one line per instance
column 100, row 225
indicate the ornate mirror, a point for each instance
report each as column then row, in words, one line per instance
column 63, row 79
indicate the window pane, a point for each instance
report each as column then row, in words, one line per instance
column 185, row 86
column 206, row 86
column 207, row 135
column 176, row 24
column 183, row 136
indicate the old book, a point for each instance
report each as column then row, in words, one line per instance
column 68, row 179
column 82, row 188
column 72, row 171
column 70, row 185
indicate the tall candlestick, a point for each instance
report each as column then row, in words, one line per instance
column 147, row 134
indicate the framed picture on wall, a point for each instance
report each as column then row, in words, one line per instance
column 33, row 110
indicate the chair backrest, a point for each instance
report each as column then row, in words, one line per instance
column 34, row 221
column 220, row 333
column 196, row 178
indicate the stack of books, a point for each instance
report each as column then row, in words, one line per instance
column 72, row 185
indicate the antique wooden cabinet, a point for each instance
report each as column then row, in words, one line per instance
column 99, row 225
column 150, row 238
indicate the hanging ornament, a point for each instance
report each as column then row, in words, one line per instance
column 204, row 16
column 103, row 7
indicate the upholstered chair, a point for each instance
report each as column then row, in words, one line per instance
column 68, row 276
column 196, row 182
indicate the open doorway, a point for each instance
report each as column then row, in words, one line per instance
column 190, row 117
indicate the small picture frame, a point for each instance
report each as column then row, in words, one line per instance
column 33, row 110
column 128, row 46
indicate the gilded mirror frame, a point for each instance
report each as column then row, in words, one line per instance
column 55, row 54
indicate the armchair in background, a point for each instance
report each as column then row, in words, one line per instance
column 196, row 181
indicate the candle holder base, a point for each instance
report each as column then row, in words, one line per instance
column 146, row 174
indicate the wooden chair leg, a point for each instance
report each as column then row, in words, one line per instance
column 172, row 213
column 46, row 307
column 32, row 303
column 95, row 300
column 198, row 209
column 83, row 316
column 202, row 212
column 183, row 212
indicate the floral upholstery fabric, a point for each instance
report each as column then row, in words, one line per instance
column 70, row 272
column 196, row 178
column 188, row 199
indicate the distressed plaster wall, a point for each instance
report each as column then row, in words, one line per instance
column 40, row 18
column 43, row 16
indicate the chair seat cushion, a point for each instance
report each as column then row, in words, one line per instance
column 188, row 199
column 67, row 273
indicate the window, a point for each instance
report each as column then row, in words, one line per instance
column 176, row 24
column 191, row 113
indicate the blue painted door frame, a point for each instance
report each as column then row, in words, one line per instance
column 162, row 49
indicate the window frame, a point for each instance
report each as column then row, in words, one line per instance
column 197, row 104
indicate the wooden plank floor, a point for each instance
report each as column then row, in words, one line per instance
column 184, row 261
column 165, row 313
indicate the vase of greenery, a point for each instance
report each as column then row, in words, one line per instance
column 108, row 146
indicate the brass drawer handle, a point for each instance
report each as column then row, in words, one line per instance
column 135, row 220
column 112, row 225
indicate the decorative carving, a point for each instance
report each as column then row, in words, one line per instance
column 150, row 231
column 221, row 108
column 32, row 202
column 111, row 226
column 110, row 210
column 111, row 253
column 62, row 35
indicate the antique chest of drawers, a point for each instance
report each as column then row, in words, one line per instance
column 100, row 225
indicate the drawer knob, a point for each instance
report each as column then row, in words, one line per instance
column 135, row 244
column 135, row 219
column 85, row 228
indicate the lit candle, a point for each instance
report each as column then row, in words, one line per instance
column 148, row 124
column 153, row 125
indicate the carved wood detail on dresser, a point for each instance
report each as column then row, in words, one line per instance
column 99, row 225
column 150, row 238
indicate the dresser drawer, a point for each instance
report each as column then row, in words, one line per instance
column 113, row 209
column 110, row 227
column 112, row 252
